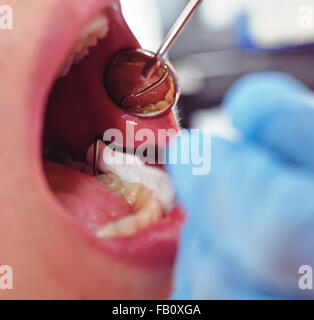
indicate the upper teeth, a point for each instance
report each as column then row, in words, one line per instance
column 96, row 30
column 131, row 169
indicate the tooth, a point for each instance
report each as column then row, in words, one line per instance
column 111, row 180
column 80, row 56
column 98, row 29
column 67, row 67
column 131, row 169
column 148, row 211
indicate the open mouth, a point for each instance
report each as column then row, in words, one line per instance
column 128, row 211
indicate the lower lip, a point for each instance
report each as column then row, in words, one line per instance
column 152, row 248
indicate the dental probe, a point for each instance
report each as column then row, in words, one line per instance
column 171, row 37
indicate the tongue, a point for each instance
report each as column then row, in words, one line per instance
column 89, row 201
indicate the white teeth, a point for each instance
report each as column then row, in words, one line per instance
column 147, row 190
column 89, row 38
column 97, row 29
column 147, row 208
column 131, row 169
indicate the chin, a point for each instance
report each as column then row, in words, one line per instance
column 53, row 106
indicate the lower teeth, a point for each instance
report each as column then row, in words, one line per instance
column 146, row 206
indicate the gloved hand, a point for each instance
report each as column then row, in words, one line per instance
column 250, row 222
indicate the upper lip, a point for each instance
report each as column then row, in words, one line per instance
column 69, row 29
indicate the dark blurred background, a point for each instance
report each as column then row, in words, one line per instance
column 225, row 40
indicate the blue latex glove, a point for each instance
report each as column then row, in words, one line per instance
column 251, row 219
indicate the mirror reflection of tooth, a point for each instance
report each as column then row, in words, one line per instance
column 150, row 96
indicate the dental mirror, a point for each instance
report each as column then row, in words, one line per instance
column 143, row 83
